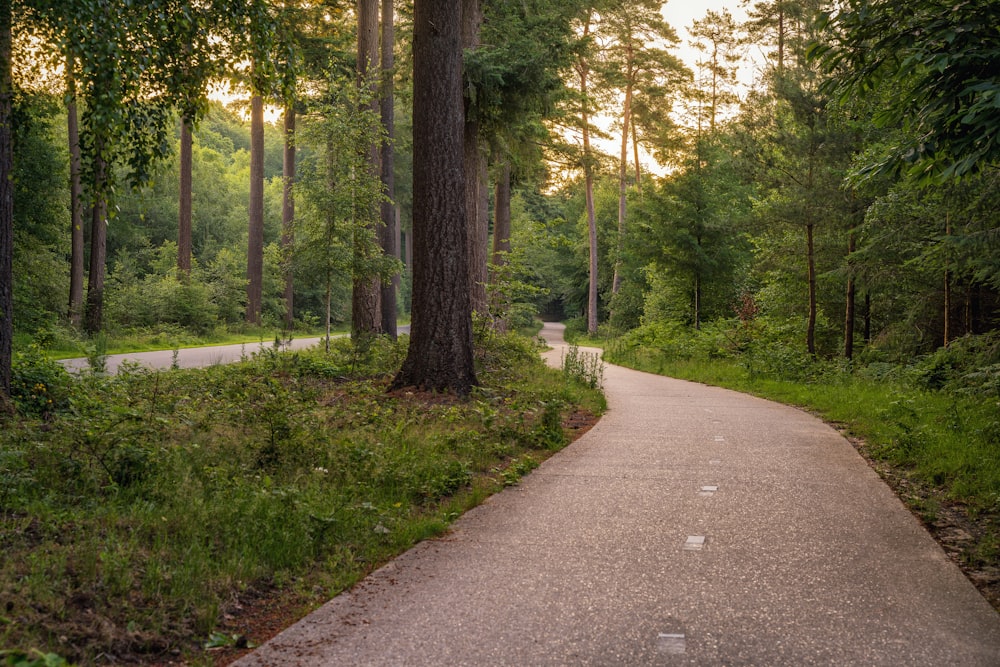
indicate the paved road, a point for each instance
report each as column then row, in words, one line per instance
column 691, row 526
column 190, row 357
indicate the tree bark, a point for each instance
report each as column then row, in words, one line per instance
column 184, row 205
column 288, row 213
column 366, row 315
column 440, row 356
column 6, row 205
column 94, row 316
column 390, row 230
column 255, row 240
column 76, row 265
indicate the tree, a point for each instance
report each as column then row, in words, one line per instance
column 634, row 57
column 77, row 267
column 440, row 354
column 942, row 57
column 389, row 230
column 366, row 312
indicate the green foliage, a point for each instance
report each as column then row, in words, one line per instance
column 156, row 499
column 940, row 55
column 39, row 386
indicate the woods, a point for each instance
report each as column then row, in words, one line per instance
column 804, row 190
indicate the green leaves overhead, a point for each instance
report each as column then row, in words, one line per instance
column 941, row 57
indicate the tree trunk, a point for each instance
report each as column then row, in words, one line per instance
column 288, row 213
column 616, row 281
column 76, row 265
column 390, row 229
column 849, row 316
column 94, row 315
column 868, row 317
column 6, row 206
column 255, row 240
column 366, row 315
column 501, row 245
column 947, row 286
column 635, row 154
column 501, row 220
column 439, row 357
column 584, row 71
column 475, row 175
column 184, row 205
column 811, row 264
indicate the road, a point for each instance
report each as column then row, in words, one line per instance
column 199, row 357
column 691, row 526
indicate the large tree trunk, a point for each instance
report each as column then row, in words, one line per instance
column 440, row 352
column 184, row 205
column 76, row 261
column 94, row 316
column 255, row 241
column 583, row 69
column 475, row 175
column 6, row 206
column 366, row 316
column 389, row 232
column 288, row 213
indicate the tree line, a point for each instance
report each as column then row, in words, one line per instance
column 845, row 198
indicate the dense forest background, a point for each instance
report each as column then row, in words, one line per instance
column 844, row 199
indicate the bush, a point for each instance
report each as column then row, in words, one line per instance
column 39, row 386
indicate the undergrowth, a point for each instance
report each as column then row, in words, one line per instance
column 137, row 508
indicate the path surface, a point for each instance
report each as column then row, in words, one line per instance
column 691, row 526
column 190, row 357
column 199, row 357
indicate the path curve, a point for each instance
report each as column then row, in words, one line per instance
column 691, row 526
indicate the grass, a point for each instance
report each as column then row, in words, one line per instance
column 137, row 510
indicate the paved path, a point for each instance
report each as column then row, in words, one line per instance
column 190, row 357
column 691, row 526
column 199, row 357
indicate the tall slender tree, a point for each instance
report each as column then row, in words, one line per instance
column 389, row 231
column 366, row 315
column 440, row 356
column 635, row 56
column 77, row 270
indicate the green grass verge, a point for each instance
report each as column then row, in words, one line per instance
column 136, row 510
